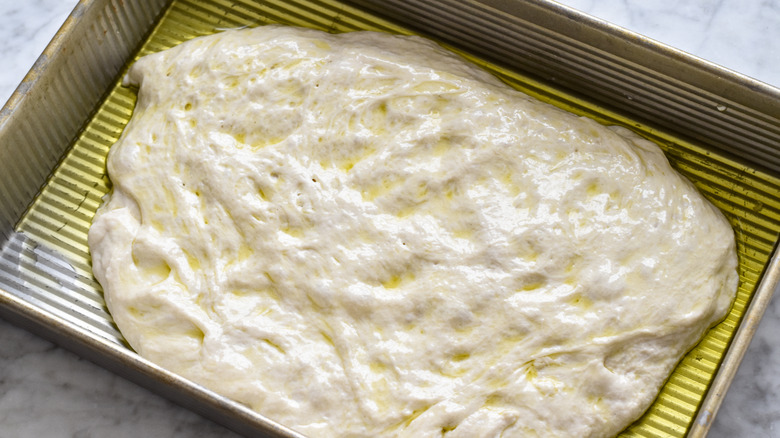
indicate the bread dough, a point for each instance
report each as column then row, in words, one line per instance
column 363, row 235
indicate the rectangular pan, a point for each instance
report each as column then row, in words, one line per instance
column 717, row 127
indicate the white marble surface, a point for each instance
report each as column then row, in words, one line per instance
column 46, row 391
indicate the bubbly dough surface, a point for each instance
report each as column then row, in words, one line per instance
column 363, row 235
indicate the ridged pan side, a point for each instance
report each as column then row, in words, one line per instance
column 46, row 260
column 45, row 113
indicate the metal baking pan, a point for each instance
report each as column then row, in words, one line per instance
column 717, row 127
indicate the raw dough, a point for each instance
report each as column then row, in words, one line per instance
column 363, row 235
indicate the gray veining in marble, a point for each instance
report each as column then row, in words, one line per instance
column 46, row 391
column 25, row 29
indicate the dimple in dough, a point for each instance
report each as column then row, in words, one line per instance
column 363, row 235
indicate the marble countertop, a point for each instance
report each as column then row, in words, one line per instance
column 47, row 391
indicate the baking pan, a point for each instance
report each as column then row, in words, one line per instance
column 717, row 127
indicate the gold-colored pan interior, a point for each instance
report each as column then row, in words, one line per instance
column 46, row 258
